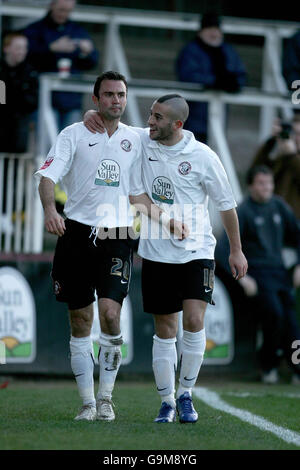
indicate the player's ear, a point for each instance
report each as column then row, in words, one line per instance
column 178, row 124
column 95, row 100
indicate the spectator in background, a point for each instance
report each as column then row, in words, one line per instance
column 21, row 82
column 291, row 60
column 267, row 225
column 281, row 153
column 211, row 62
column 55, row 37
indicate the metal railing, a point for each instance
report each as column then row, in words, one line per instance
column 17, row 197
column 21, row 227
column 268, row 100
column 151, row 89
column 114, row 53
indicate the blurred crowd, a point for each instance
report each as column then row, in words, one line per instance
column 44, row 46
column 56, row 43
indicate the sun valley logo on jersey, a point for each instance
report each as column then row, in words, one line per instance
column 162, row 190
column 108, row 173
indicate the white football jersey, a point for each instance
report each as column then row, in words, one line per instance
column 181, row 179
column 97, row 172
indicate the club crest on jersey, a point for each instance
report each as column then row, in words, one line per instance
column 163, row 190
column 108, row 173
column 126, row 145
column 184, row 168
column 47, row 163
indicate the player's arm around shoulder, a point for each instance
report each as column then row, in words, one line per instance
column 237, row 260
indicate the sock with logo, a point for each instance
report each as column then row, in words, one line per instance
column 164, row 363
column 192, row 352
column 110, row 358
column 82, row 364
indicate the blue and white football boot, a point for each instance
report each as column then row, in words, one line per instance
column 167, row 414
column 185, row 408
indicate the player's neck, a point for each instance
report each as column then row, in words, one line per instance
column 172, row 140
column 111, row 125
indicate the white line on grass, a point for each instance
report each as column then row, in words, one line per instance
column 213, row 399
column 262, row 394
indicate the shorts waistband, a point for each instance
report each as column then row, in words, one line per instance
column 103, row 233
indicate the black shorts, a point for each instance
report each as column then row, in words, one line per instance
column 165, row 285
column 84, row 264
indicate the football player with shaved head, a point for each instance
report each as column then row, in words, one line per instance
column 181, row 175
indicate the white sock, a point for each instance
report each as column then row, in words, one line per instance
column 164, row 363
column 110, row 358
column 82, row 363
column 193, row 348
column 170, row 399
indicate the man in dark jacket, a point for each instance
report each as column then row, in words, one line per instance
column 267, row 225
column 291, row 60
column 56, row 37
column 281, row 153
column 211, row 62
column 21, row 84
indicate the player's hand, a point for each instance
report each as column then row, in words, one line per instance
column 249, row 285
column 54, row 222
column 63, row 44
column 238, row 264
column 93, row 122
column 179, row 229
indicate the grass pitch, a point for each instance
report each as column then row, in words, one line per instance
column 40, row 416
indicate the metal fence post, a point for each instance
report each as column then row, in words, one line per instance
column 216, row 120
column 272, row 81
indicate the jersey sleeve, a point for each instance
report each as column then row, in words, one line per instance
column 136, row 183
column 217, row 185
column 59, row 158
